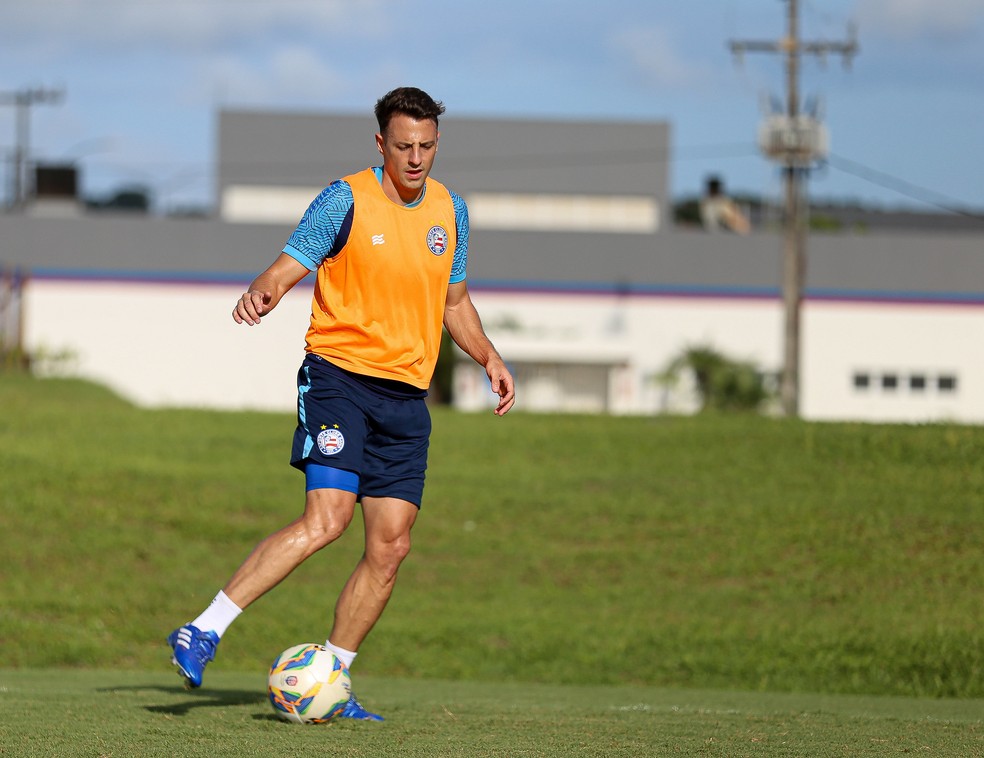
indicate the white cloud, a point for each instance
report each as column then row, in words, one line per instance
column 293, row 76
column 72, row 26
column 651, row 51
column 940, row 20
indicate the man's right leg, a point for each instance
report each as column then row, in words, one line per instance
column 327, row 513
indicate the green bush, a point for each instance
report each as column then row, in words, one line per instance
column 723, row 384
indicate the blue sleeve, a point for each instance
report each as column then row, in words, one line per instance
column 314, row 238
column 460, row 262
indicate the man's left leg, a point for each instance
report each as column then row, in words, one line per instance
column 388, row 522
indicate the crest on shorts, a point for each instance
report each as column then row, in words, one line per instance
column 331, row 441
column 437, row 240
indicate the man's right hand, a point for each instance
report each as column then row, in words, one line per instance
column 251, row 306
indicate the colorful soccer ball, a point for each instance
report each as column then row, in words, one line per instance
column 308, row 684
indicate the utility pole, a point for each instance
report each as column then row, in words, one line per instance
column 796, row 141
column 23, row 100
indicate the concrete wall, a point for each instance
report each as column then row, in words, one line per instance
column 844, row 340
column 175, row 344
column 167, row 344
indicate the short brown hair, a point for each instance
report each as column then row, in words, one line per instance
column 409, row 100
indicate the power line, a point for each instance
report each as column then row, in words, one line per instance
column 914, row 191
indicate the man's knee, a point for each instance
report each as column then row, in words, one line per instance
column 327, row 514
column 399, row 548
column 388, row 525
column 386, row 555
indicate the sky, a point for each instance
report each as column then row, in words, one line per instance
column 143, row 81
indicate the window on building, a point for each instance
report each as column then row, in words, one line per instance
column 891, row 382
column 947, row 383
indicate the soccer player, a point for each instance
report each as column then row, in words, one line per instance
column 389, row 245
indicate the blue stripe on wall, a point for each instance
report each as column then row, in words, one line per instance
column 552, row 287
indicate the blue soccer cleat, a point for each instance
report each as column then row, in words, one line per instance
column 193, row 649
column 353, row 710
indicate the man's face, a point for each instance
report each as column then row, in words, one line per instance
column 408, row 148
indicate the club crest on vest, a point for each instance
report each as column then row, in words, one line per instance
column 437, row 240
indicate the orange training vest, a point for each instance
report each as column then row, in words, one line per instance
column 378, row 304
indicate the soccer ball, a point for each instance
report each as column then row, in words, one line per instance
column 308, row 684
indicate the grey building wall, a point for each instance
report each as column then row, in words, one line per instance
column 492, row 155
column 291, row 149
column 928, row 266
column 940, row 266
column 138, row 246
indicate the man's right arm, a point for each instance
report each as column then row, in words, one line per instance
column 267, row 289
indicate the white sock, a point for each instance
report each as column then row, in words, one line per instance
column 220, row 613
column 345, row 656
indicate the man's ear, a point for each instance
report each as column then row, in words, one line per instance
column 379, row 143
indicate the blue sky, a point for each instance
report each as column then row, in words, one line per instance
column 144, row 79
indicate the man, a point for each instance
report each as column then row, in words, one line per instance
column 389, row 245
column 717, row 210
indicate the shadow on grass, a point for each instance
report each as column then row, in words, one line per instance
column 209, row 698
column 268, row 717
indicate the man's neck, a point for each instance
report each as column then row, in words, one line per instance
column 392, row 191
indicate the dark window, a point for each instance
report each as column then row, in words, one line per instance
column 862, row 381
column 917, row 382
column 889, row 381
column 947, row 383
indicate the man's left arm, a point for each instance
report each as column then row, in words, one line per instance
column 463, row 323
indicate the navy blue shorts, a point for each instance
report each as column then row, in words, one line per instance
column 376, row 429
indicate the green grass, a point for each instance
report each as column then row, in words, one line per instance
column 113, row 713
column 716, row 553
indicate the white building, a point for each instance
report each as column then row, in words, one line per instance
column 582, row 283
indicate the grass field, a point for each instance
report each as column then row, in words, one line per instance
column 726, row 585
column 115, row 714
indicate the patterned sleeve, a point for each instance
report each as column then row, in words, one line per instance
column 314, row 238
column 460, row 262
